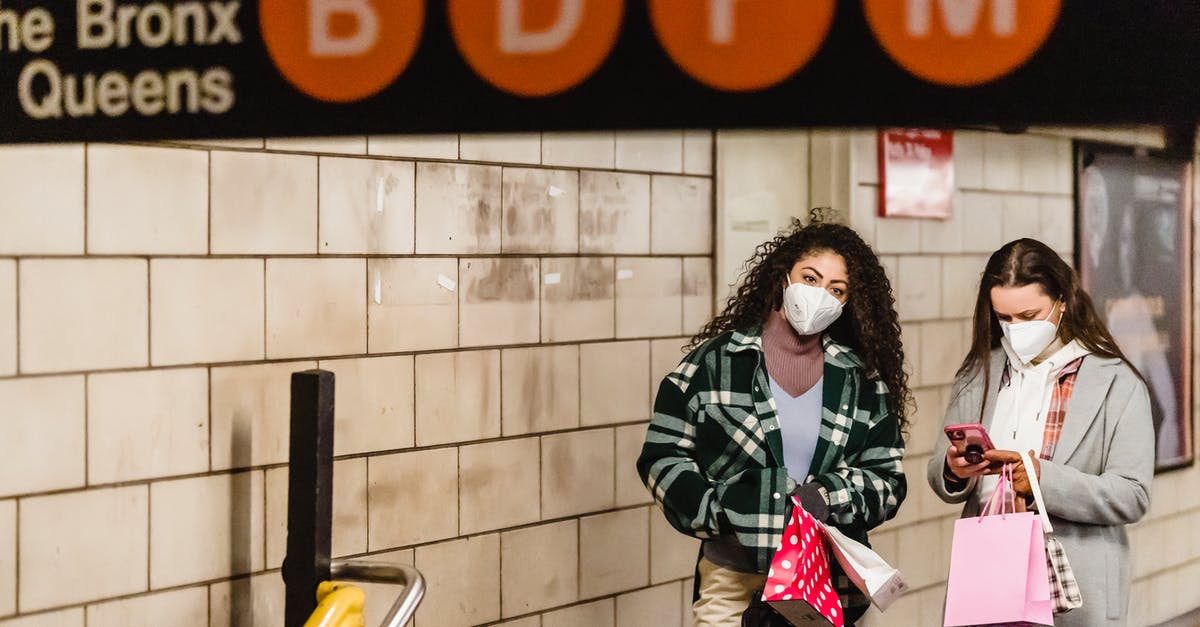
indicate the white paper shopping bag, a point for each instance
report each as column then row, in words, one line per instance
column 870, row 573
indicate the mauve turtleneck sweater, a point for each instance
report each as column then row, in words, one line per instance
column 795, row 362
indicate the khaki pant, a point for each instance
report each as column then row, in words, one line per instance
column 724, row 595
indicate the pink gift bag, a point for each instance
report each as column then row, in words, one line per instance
column 799, row 585
column 998, row 566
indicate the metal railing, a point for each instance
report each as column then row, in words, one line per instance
column 384, row 572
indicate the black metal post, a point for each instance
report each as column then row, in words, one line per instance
column 310, row 493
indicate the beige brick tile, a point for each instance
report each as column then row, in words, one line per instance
column 367, row 206
column 864, row 157
column 464, row 582
column 681, row 215
column 144, row 199
column 380, row 596
column 43, row 185
column 930, row 605
column 910, row 337
column 960, row 285
column 63, row 618
column 253, row 143
column 983, row 222
column 349, row 510
column 501, row 147
column 697, row 293
column 1021, row 217
column 147, row 424
column 178, row 608
column 600, row 613
column 263, row 203
column 1002, row 162
column 498, row 485
column 919, row 554
column 897, row 235
column 1040, row 169
column 257, row 600
column 69, row 543
column 8, row 317
column 206, row 310
column 942, row 350
column 528, row 621
column 579, row 150
column 498, row 301
column 1056, row 222
column 653, row 606
column 630, row 491
column 541, row 211
column 540, row 389
column 413, row 304
column 672, row 554
column 607, row 372
column 251, row 409
column 577, row 298
column 614, row 213
column 968, row 159
column 649, row 296
column 316, row 307
column 458, row 208
column 8, row 557
column 919, row 291
column 864, row 212
column 650, row 151
column 665, row 355
column 944, row 236
column 206, row 528
column 698, row 151
column 614, row 549
column 350, row 145
column 414, row 146
column 577, row 473
column 555, row 581
column 925, row 430
column 375, row 404
column 458, row 397
column 82, row 314
column 413, row 497
column 44, row 434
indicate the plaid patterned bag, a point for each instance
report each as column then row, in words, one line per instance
column 1064, row 590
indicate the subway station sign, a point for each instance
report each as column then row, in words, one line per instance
column 145, row 69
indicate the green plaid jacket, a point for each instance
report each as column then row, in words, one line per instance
column 713, row 456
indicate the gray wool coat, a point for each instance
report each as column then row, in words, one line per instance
column 1097, row 482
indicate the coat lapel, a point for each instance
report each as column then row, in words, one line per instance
column 990, row 390
column 1091, row 388
column 833, row 387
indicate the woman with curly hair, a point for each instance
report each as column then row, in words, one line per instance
column 796, row 388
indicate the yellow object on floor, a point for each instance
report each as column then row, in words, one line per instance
column 338, row 605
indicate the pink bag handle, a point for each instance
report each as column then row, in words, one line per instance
column 1002, row 491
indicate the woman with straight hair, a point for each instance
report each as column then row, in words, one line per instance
column 1044, row 376
column 797, row 388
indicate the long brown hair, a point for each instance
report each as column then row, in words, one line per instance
column 1028, row 262
column 868, row 324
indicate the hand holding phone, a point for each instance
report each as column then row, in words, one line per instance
column 968, row 444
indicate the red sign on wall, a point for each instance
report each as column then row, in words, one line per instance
column 916, row 173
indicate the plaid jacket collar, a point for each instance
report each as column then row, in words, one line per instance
column 836, row 354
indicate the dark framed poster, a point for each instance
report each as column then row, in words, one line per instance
column 1134, row 254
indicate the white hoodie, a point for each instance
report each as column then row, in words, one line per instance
column 1019, row 423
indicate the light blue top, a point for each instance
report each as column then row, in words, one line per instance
column 799, row 426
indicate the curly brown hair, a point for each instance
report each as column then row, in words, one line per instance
column 868, row 324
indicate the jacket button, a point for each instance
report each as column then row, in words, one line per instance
column 845, row 407
column 771, row 428
column 776, row 496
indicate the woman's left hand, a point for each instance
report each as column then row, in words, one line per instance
column 1019, row 472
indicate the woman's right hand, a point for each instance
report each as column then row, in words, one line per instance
column 960, row 467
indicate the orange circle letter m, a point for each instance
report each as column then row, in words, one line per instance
column 961, row 42
column 341, row 50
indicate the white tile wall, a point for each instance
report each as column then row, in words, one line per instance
column 43, row 186
column 498, row 301
column 206, row 310
column 146, row 424
column 46, row 416
column 681, row 215
column 614, row 549
column 541, row 211
column 614, row 213
column 458, row 397
column 414, row 146
column 316, row 307
column 147, row 200
column 375, row 403
column 555, row 581
column 579, row 150
column 653, row 151
column 366, row 206
column 352, row 145
column 458, row 208
column 463, row 579
column 182, row 608
column 501, row 147
column 70, row 542
column 263, row 203
column 8, row 317
column 8, row 557
column 649, row 296
column 250, row 413
column 79, row 314
column 413, row 304
column 498, row 485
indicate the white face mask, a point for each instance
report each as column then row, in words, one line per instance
column 809, row 309
column 1029, row 339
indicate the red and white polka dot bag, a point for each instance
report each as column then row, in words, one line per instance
column 799, row 585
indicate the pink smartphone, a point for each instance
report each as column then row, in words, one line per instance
column 972, row 439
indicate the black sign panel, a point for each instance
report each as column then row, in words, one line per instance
column 75, row 70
